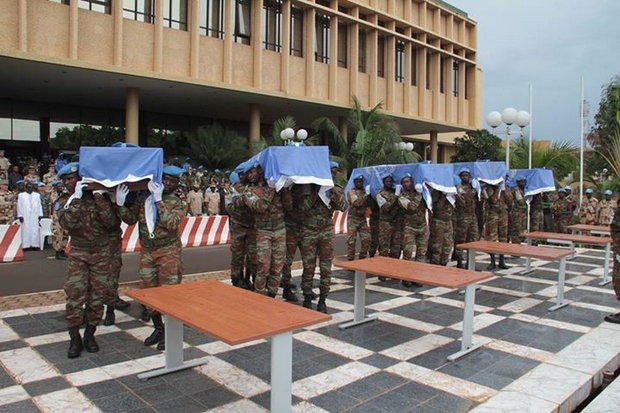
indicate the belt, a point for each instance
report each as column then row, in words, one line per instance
column 269, row 224
column 317, row 222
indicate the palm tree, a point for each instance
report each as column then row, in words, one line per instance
column 214, row 146
column 561, row 157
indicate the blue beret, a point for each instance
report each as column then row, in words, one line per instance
column 608, row 192
column 562, row 190
column 40, row 184
column 358, row 177
column 464, row 171
column 216, row 170
column 407, row 175
column 333, row 164
column 61, row 153
column 124, row 145
column 589, row 191
column 386, row 175
column 568, row 188
column 249, row 165
column 69, row 169
column 234, row 178
column 200, row 167
column 240, row 168
column 21, row 181
column 520, row 178
column 174, row 171
column 56, row 182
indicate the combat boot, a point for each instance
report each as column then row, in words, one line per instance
column 307, row 301
column 89, row 339
column 144, row 315
column 321, row 306
column 270, row 294
column 288, row 294
column 109, row 318
column 60, row 255
column 121, row 304
column 502, row 263
column 75, row 345
column 158, row 334
column 459, row 262
column 491, row 266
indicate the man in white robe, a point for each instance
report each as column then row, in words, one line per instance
column 29, row 212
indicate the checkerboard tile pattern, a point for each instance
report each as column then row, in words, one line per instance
column 531, row 359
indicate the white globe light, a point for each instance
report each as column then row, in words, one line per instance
column 396, row 146
column 523, row 118
column 302, row 134
column 509, row 116
column 494, row 119
column 289, row 133
column 409, row 147
column 283, row 135
column 402, row 146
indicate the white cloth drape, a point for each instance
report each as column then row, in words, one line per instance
column 29, row 208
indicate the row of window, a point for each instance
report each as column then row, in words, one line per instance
column 212, row 20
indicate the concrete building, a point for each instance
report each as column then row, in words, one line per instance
column 158, row 67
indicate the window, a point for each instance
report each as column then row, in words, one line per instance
column 381, row 56
column 362, row 56
column 212, row 18
column 175, row 14
column 428, row 70
column 343, row 42
column 321, row 46
column 467, row 72
column 139, row 10
column 400, row 61
column 442, row 74
column 272, row 25
column 60, row 1
column 455, row 79
column 101, row 6
column 414, row 66
column 297, row 31
column 243, row 18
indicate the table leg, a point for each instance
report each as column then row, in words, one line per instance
column 606, row 278
column 282, row 372
column 559, row 302
column 359, row 303
column 528, row 261
column 174, row 351
column 471, row 260
column 468, row 324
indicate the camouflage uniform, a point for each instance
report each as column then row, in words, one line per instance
column 605, row 211
column 492, row 210
column 466, row 229
column 266, row 206
column 388, row 218
column 292, row 221
column 48, row 178
column 61, row 236
column 536, row 213
column 212, row 201
column 243, row 240
column 46, row 204
column 195, row 199
column 615, row 248
column 587, row 211
column 8, row 201
column 357, row 224
column 415, row 232
column 518, row 215
column 441, row 237
column 115, row 240
column 373, row 223
column 506, row 201
column 562, row 214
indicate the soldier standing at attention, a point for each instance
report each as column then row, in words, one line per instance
column 615, row 248
column 589, row 206
column 373, row 223
column 292, row 221
column 61, row 237
column 242, row 234
column 491, row 195
column 7, row 203
column 86, row 215
column 465, row 212
column 415, row 232
column 561, row 209
column 161, row 261
column 441, row 230
column 356, row 219
column 265, row 205
column 506, row 202
column 195, row 200
column 536, row 213
column 519, row 211
column 605, row 210
column 388, row 210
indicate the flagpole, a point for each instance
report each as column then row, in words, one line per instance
column 529, row 160
column 581, row 140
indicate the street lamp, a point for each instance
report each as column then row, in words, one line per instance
column 509, row 117
column 288, row 134
column 403, row 147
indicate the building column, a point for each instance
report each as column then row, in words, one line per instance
column 229, row 26
column 254, row 137
column 117, row 14
column 194, row 38
column 310, row 33
column 73, row 30
column 158, row 48
column 257, row 43
column 434, row 146
column 285, row 55
column 132, row 115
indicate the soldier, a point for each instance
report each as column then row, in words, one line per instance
column 589, row 206
column 61, row 236
column 356, row 219
column 536, row 213
column 161, row 255
column 8, row 201
column 317, row 231
column 415, row 231
column 465, row 212
column 388, row 211
column 506, row 202
column 519, row 211
column 46, row 200
column 4, row 165
column 242, row 235
column 441, row 238
column 493, row 206
column 605, row 210
column 49, row 177
column 31, row 176
column 266, row 206
column 195, row 200
column 615, row 247
column 573, row 204
column 373, row 223
column 212, row 199
column 292, row 221
column 86, row 215
column 562, row 211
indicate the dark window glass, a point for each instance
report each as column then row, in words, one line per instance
column 175, row 14
column 212, row 18
column 243, row 19
column 61, row 2
column 400, row 61
column 442, row 74
column 362, row 55
column 321, row 52
column 343, row 44
column 272, row 25
column 414, row 66
column 381, row 56
column 455, row 78
column 297, row 31
column 428, row 70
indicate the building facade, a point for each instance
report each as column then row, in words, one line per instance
column 155, row 66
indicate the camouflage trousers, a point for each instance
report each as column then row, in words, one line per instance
column 86, row 284
column 560, row 224
column 518, row 224
column 357, row 227
column 502, row 227
column 373, row 223
column 536, row 220
column 116, row 262
column 161, row 266
column 441, row 241
column 293, row 241
column 491, row 227
column 317, row 243
column 466, row 230
column 390, row 238
column 61, row 236
column 270, row 255
column 242, row 252
column 415, row 237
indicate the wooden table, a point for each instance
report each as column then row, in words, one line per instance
column 423, row 273
column 528, row 251
column 234, row 316
column 590, row 229
column 571, row 240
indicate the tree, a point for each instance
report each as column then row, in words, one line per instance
column 608, row 115
column 86, row 135
column 561, row 157
column 477, row 145
column 217, row 147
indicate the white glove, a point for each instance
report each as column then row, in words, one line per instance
column 399, row 189
column 367, row 189
column 380, row 200
column 121, row 194
column 157, row 190
column 79, row 189
column 418, row 188
column 404, row 202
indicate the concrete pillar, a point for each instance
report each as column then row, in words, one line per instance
column 73, row 30
column 158, row 48
column 286, row 46
column 132, row 115
column 434, row 146
column 117, row 15
column 194, row 38
column 309, row 32
column 229, row 26
column 254, row 136
column 22, row 31
column 257, row 43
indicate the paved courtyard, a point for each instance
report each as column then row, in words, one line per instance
column 532, row 360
